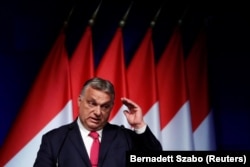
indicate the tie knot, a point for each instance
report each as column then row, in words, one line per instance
column 94, row 134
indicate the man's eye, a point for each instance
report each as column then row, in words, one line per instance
column 91, row 103
column 106, row 107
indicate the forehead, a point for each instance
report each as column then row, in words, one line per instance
column 98, row 95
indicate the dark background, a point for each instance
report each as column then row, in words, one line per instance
column 28, row 29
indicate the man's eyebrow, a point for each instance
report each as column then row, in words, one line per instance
column 107, row 103
column 94, row 100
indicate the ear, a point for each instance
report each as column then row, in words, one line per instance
column 79, row 100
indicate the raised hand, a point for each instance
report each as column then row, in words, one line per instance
column 133, row 114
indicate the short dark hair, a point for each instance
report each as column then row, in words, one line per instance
column 100, row 84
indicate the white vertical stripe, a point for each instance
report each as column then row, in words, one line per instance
column 204, row 135
column 177, row 134
column 26, row 156
column 120, row 118
column 152, row 118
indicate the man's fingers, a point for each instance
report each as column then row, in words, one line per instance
column 126, row 113
column 129, row 103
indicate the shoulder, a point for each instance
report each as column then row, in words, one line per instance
column 60, row 131
column 118, row 132
column 117, row 128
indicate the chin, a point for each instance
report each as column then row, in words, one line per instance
column 94, row 127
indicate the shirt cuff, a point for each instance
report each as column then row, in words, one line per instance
column 141, row 130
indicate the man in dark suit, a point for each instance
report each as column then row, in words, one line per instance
column 70, row 145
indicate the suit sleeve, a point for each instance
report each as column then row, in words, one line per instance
column 44, row 156
column 145, row 141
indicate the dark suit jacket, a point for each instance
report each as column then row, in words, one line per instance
column 64, row 146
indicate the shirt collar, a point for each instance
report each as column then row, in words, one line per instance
column 84, row 131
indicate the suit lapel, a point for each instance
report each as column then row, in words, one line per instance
column 108, row 135
column 77, row 142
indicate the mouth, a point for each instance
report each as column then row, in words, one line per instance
column 95, row 120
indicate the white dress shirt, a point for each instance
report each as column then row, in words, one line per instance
column 87, row 140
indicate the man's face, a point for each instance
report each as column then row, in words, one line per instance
column 94, row 108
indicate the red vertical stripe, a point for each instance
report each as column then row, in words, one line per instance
column 48, row 96
column 171, row 79
column 197, row 81
column 141, row 74
column 112, row 67
column 81, row 66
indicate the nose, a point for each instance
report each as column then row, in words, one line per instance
column 97, row 110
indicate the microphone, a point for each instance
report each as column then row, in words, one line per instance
column 62, row 144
